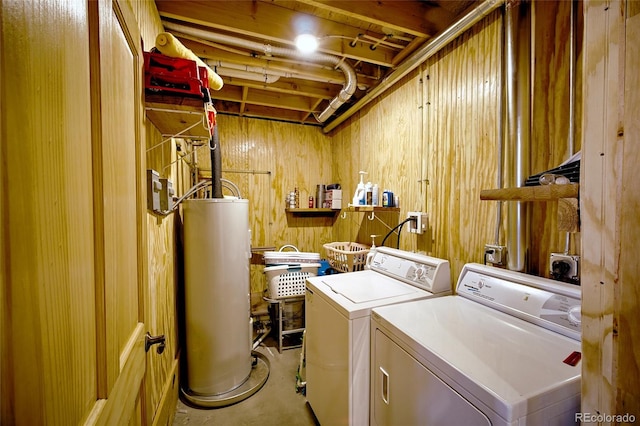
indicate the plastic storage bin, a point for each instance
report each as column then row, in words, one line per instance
column 347, row 256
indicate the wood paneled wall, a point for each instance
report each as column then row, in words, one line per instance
column 433, row 142
column 267, row 160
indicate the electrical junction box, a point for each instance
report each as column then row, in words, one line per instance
column 153, row 191
column 419, row 225
column 495, row 254
column 565, row 267
column 166, row 195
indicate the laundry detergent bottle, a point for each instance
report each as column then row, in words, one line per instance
column 359, row 196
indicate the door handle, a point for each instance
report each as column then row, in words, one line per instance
column 150, row 340
column 385, row 386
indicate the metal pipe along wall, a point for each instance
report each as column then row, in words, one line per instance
column 518, row 126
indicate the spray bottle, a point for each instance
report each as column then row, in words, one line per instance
column 358, row 197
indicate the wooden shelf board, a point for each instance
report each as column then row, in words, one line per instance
column 532, row 193
column 312, row 211
column 173, row 118
column 371, row 209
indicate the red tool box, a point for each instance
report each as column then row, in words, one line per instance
column 167, row 75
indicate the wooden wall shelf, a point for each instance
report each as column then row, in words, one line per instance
column 175, row 118
column 313, row 212
column 532, row 193
column 371, row 209
column 565, row 195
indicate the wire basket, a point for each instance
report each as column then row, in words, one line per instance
column 289, row 280
column 346, row 256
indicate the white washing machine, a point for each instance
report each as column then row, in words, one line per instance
column 337, row 315
column 505, row 350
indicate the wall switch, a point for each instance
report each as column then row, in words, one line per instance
column 166, row 195
column 495, row 254
column 419, row 225
column 153, row 191
column 565, row 267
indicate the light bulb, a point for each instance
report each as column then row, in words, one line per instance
column 306, row 43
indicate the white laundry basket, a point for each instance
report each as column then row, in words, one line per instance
column 289, row 280
column 347, row 256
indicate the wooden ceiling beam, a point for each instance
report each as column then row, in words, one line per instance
column 287, row 88
column 259, row 111
column 245, row 96
column 408, row 15
column 248, row 19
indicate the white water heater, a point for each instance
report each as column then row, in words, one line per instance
column 217, row 249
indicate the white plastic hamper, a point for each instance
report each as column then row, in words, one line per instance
column 289, row 280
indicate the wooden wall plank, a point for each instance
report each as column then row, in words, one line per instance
column 628, row 297
column 602, row 157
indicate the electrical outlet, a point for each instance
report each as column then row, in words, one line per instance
column 153, row 191
column 419, row 225
column 495, row 254
column 565, row 267
column 166, row 195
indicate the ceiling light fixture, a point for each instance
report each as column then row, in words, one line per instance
column 306, row 43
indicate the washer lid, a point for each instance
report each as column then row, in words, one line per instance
column 361, row 289
column 355, row 293
column 512, row 366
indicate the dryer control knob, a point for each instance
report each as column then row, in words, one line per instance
column 574, row 315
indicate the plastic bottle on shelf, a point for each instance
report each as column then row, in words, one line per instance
column 297, row 197
column 375, row 194
column 368, row 191
column 358, row 196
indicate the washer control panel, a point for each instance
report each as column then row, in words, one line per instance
column 425, row 272
column 551, row 304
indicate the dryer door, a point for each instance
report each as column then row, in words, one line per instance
column 405, row 392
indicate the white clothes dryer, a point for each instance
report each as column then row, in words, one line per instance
column 505, row 350
column 337, row 316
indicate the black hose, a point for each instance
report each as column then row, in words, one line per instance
column 216, row 164
column 400, row 225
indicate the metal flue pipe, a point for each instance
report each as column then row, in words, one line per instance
column 348, row 89
column 518, row 126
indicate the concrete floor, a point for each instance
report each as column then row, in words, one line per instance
column 276, row 403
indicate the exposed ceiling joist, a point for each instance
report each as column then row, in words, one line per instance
column 374, row 37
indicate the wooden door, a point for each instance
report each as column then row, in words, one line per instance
column 72, row 214
column 120, row 211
